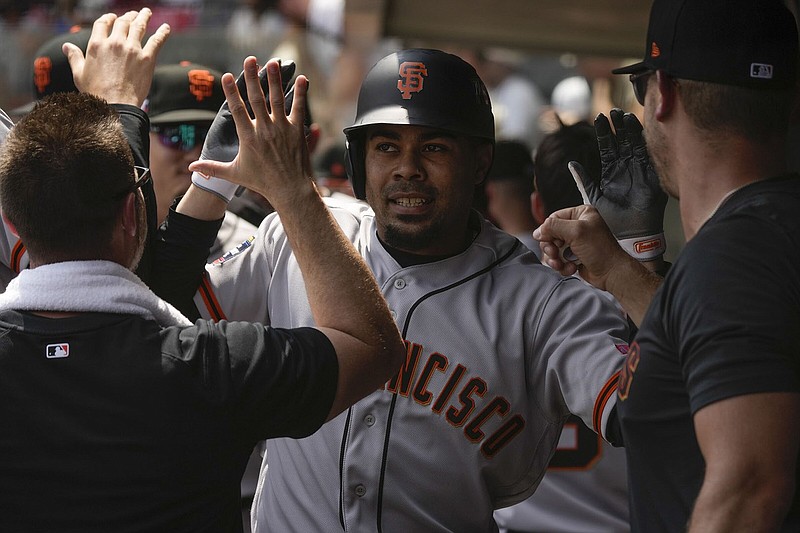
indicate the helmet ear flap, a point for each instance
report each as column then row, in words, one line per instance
column 354, row 165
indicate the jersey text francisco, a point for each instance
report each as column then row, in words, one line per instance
column 462, row 400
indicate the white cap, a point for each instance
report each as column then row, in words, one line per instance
column 572, row 99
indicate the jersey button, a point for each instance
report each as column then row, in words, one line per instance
column 360, row 490
column 400, row 284
column 369, row 420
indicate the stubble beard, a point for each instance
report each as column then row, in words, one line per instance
column 658, row 149
column 411, row 239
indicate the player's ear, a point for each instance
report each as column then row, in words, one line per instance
column 537, row 208
column 666, row 95
column 128, row 215
column 10, row 226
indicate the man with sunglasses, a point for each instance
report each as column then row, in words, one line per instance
column 181, row 104
column 183, row 101
column 709, row 396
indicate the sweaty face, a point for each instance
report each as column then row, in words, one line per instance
column 420, row 183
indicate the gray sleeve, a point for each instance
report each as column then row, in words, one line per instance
column 581, row 338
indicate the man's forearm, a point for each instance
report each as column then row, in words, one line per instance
column 202, row 205
column 741, row 507
column 633, row 284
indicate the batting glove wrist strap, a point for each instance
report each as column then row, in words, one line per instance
column 645, row 248
column 221, row 188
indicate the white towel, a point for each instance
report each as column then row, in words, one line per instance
column 93, row 286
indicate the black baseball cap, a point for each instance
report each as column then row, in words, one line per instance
column 51, row 70
column 749, row 43
column 184, row 92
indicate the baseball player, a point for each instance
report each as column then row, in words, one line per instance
column 500, row 349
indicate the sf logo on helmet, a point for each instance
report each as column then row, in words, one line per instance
column 411, row 74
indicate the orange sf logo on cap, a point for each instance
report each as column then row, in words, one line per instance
column 411, row 74
column 42, row 66
column 201, row 84
column 655, row 51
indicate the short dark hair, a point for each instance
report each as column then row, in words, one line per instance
column 758, row 115
column 576, row 142
column 513, row 167
column 64, row 171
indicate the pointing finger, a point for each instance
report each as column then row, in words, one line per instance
column 237, row 108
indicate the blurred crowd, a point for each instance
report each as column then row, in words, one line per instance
column 528, row 90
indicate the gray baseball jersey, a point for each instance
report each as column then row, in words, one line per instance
column 500, row 350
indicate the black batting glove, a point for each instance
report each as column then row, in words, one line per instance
column 628, row 195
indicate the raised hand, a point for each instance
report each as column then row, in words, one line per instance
column 116, row 66
column 272, row 157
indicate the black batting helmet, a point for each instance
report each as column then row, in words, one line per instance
column 418, row 87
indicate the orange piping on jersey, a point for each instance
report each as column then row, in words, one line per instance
column 207, row 294
column 602, row 399
column 16, row 256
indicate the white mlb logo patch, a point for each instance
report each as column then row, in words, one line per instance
column 57, row 351
column 761, row 70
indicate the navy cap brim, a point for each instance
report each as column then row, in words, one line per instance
column 184, row 115
column 636, row 68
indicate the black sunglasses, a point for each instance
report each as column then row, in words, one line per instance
column 142, row 177
column 639, row 82
column 180, row 136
